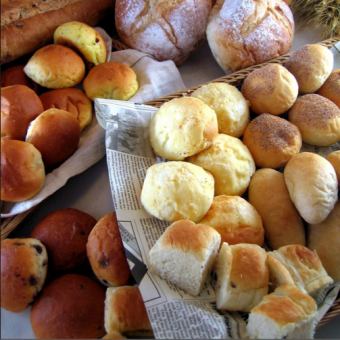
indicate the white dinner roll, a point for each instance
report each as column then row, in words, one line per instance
column 229, row 104
column 230, row 162
column 312, row 185
column 182, row 127
column 177, row 190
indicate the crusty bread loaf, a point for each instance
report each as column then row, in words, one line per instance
column 287, row 312
column 334, row 159
column 325, row 239
column 243, row 33
column 331, row 88
column 281, row 221
column 28, row 25
column 242, row 277
column 184, row 255
column 312, row 185
column 23, row 272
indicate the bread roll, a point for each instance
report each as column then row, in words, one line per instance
column 72, row 100
column 272, row 141
column 285, row 313
column 15, row 75
column 182, row 127
column 22, row 171
column 125, row 310
column 113, row 336
column 311, row 65
column 278, row 273
column 325, row 239
column 64, row 232
column 312, row 185
column 164, row 29
column 281, row 221
column 19, row 106
column 270, row 89
column 177, row 190
column 331, row 87
column 242, row 277
column 229, row 104
column 82, row 38
column 55, row 133
column 242, row 33
column 111, row 80
column 106, row 252
column 23, row 272
column 317, row 118
column 230, row 162
column 334, row 159
column 29, row 24
column 55, row 66
column 304, row 266
column 71, row 306
column 235, row 219
column 184, row 255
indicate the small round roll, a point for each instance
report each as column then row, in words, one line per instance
column 15, row 75
column 71, row 306
column 177, row 190
column 55, row 133
column 269, row 195
column 270, row 89
column 317, row 118
column 331, row 88
column 334, row 159
column 312, row 185
column 19, row 106
column 23, row 272
column 272, row 141
column 72, row 100
column 111, row 80
column 182, row 127
column 106, row 253
column 311, row 66
column 22, row 171
column 229, row 104
column 64, row 232
column 55, row 66
column 230, row 162
column 84, row 39
column 235, row 219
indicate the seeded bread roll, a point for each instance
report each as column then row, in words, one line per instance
column 23, row 272
column 331, row 88
column 334, row 159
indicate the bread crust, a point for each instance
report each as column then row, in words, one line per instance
column 331, row 87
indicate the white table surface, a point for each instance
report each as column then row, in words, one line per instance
column 90, row 190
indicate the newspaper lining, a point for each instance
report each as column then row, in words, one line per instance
column 173, row 313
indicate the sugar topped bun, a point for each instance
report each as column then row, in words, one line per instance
column 331, row 88
column 177, row 190
column 182, row 127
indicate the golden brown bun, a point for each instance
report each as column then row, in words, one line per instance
column 317, row 118
column 164, row 29
column 270, row 89
column 22, row 171
column 111, row 80
column 15, row 75
column 278, row 273
column 331, row 88
column 19, row 106
column 125, row 310
column 243, row 33
column 29, row 24
column 182, row 127
column 64, row 232
column 84, row 39
column 311, row 66
column 113, row 336
column 106, row 252
column 23, row 272
column 55, row 66
column 272, row 141
column 281, row 221
column 334, row 159
column 235, row 219
column 71, row 306
column 72, row 100
column 324, row 238
column 55, row 133
column 230, row 162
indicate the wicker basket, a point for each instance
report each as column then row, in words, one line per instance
column 9, row 224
